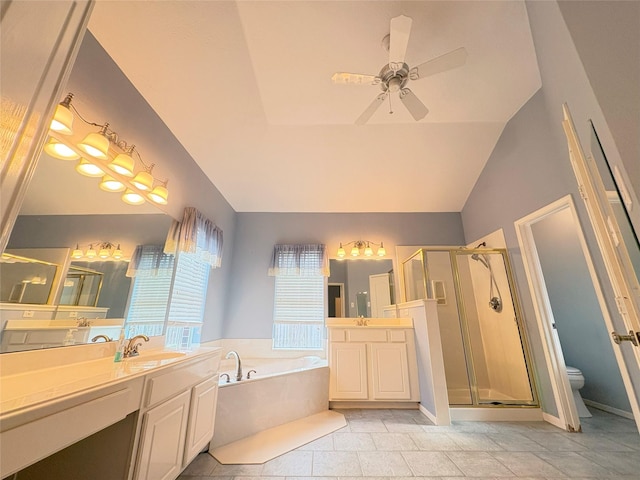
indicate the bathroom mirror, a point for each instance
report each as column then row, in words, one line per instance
column 618, row 198
column 360, row 287
column 63, row 209
column 25, row 280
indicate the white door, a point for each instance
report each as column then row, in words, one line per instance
column 616, row 253
column 380, row 294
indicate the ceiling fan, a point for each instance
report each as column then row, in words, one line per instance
column 395, row 75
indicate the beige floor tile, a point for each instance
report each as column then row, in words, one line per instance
column 389, row 464
column 393, row 441
column 526, row 463
column 479, row 464
column 352, row 442
column 434, row 441
column 296, row 463
column 573, row 464
column 335, row 464
column 430, row 464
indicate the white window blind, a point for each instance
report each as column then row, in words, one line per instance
column 188, row 296
column 299, row 311
column 149, row 295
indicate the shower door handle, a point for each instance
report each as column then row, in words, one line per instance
column 618, row 339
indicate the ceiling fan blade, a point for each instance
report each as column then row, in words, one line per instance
column 416, row 108
column 453, row 59
column 345, row 78
column 371, row 109
column 398, row 41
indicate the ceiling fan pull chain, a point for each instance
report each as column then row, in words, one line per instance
column 390, row 109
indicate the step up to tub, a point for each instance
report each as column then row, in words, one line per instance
column 276, row 441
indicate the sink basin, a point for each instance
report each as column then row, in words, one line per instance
column 155, row 356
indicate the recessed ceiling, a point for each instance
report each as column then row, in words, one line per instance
column 246, row 88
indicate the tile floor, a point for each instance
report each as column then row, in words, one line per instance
column 404, row 444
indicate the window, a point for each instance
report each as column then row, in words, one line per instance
column 298, row 316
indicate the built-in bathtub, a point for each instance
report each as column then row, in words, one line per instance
column 280, row 391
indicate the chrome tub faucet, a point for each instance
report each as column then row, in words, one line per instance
column 234, row 354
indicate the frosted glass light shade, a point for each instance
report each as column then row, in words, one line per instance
column 60, row 151
column 132, row 198
column 341, row 253
column 117, row 253
column 110, row 184
column 159, row 195
column 91, row 253
column 368, row 251
column 77, row 253
column 96, row 145
column 88, row 169
column 62, row 120
column 123, row 164
column 381, row 251
column 355, row 252
column 143, row 181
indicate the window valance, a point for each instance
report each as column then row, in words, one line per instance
column 301, row 260
column 150, row 261
column 196, row 234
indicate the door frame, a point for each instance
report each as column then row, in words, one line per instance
column 341, row 285
column 568, row 418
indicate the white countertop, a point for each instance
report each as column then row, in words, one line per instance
column 28, row 390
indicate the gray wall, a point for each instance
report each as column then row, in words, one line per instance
column 576, row 312
column 250, row 303
column 529, row 167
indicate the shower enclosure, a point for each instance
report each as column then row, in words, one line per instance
column 486, row 356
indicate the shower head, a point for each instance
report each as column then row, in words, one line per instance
column 478, row 258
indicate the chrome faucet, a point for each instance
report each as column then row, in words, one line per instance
column 234, row 354
column 104, row 337
column 131, row 350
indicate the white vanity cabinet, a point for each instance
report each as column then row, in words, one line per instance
column 372, row 363
column 178, row 417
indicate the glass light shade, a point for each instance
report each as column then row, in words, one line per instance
column 59, row 150
column 159, row 195
column 96, row 145
column 143, row 180
column 62, row 120
column 355, row 252
column 77, row 253
column 368, row 251
column 123, row 164
column 341, row 253
column 381, row 251
column 104, row 253
column 132, row 198
column 117, row 253
column 110, row 184
column 88, row 169
column 91, row 253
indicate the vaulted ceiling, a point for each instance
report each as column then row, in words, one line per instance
column 246, row 88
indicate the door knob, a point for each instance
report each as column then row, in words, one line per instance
column 625, row 338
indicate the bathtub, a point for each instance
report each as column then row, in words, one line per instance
column 280, row 391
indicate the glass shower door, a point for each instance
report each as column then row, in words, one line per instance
column 497, row 349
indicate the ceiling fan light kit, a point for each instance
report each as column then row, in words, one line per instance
column 395, row 75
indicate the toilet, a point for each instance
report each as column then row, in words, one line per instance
column 576, row 380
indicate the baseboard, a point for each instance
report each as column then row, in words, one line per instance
column 609, row 409
column 496, row 414
column 553, row 420
column 428, row 414
column 333, row 404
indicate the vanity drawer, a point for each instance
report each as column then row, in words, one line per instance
column 367, row 335
column 173, row 381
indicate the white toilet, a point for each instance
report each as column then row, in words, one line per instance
column 576, row 380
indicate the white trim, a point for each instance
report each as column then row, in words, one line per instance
column 553, row 420
column 607, row 408
column 496, row 414
column 428, row 414
column 554, row 359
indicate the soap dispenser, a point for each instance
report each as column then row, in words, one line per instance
column 69, row 339
column 120, row 347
